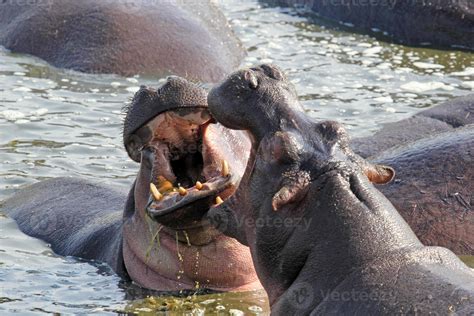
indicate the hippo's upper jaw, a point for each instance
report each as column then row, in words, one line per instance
column 316, row 227
column 185, row 168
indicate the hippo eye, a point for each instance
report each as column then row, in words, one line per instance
column 252, row 80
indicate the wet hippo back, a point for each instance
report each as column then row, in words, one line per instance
column 56, row 211
column 444, row 117
column 187, row 38
column 439, row 23
column 433, row 188
column 431, row 153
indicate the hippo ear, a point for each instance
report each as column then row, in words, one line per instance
column 294, row 189
column 379, row 174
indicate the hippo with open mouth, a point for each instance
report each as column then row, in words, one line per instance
column 323, row 240
column 190, row 162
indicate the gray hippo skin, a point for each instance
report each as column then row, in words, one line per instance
column 439, row 23
column 432, row 155
column 168, row 132
column 445, row 117
column 191, row 39
column 324, row 240
column 77, row 217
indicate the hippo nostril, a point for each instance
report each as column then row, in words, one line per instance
column 273, row 71
column 333, row 131
column 250, row 77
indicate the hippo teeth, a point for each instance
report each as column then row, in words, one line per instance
column 155, row 192
column 164, row 188
column 211, row 193
column 188, row 171
column 219, row 200
column 225, row 168
column 182, row 191
column 198, row 185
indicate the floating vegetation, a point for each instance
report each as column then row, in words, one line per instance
column 231, row 303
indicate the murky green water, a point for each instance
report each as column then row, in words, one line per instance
column 58, row 123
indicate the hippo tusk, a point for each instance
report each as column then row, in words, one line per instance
column 155, row 192
column 182, row 191
column 198, row 185
column 225, row 168
column 166, row 186
column 219, row 200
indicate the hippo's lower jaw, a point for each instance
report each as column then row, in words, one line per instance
column 176, row 206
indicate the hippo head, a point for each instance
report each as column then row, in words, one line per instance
column 300, row 174
column 187, row 161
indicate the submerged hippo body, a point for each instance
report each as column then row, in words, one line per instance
column 323, row 240
column 434, row 162
column 168, row 131
column 445, row 117
column 187, row 38
column 439, row 23
column 76, row 217
column 433, row 188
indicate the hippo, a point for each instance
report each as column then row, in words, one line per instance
column 323, row 239
column 445, row 117
column 182, row 156
column 438, row 23
column 433, row 188
column 432, row 154
column 191, row 39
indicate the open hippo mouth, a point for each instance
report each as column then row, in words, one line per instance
column 187, row 175
column 185, row 157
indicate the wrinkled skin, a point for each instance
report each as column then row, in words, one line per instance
column 316, row 227
column 438, row 23
column 433, row 158
column 169, row 132
column 191, row 39
column 433, row 188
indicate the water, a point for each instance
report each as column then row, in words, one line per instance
column 62, row 123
